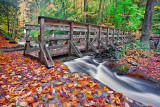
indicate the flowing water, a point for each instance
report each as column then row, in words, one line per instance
column 140, row 90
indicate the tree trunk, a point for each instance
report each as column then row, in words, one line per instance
column 8, row 19
column 15, row 15
column 99, row 12
column 147, row 24
column 63, row 9
column 85, row 10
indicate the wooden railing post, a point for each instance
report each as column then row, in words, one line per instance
column 119, row 37
column 41, row 39
column 27, row 42
column 113, row 35
column 107, row 38
column 127, row 35
column 124, row 34
column 87, row 38
column 51, row 32
column 99, row 36
column 71, row 36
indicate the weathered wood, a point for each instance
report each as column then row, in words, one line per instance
column 76, row 50
column 12, row 47
column 120, row 38
column 107, row 36
column 115, row 38
column 92, row 47
column 59, row 51
column 100, row 41
column 99, row 36
column 71, row 37
column 27, row 42
column 50, row 62
column 76, row 31
column 41, row 39
column 28, row 50
column 37, row 27
column 87, row 38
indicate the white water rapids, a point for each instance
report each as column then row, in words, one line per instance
column 140, row 90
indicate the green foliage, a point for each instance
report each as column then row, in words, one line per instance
column 34, row 33
column 125, row 15
column 124, row 68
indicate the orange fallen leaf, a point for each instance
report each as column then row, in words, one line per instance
column 2, row 100
column 89, row 96
column 46, row 89
column 58, row 83
column 73, row 103
column 50, row 97
column 75, row 92
column 64, row 104
column 30, row 99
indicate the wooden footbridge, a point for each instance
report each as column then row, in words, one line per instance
column 69, row 37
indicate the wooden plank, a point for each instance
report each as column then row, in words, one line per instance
column 51, row 22
column 56, row 46
column 63, row 37
column 12, row 47
column 12, row 50
column 79, row 36
column 93, row 36
column 32, row 39
column 57, row 37
column 32, row 49
column 59, row 51
column 49, row 47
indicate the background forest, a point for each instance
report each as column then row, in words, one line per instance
column 124, row 14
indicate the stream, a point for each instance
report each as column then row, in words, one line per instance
column 138, row 89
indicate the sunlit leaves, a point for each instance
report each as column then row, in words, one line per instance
column 26, row 82
column 143, row 61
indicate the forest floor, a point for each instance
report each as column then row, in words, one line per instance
column 26, row 82
column 141, row 63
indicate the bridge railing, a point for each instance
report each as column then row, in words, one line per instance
column 72, row 37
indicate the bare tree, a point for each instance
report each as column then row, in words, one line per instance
column 147, row 24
